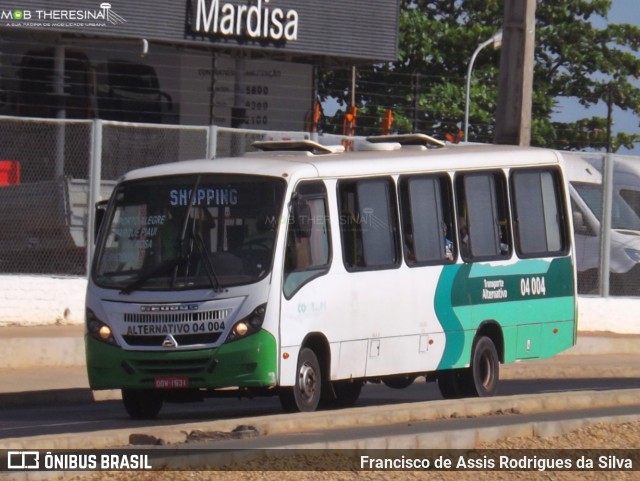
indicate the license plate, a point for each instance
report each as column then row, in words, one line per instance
column 171, row 382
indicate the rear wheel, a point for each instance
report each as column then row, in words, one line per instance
column 478, row 380
column 346, row 392
column 306, row 393
column 142, row 403
column 484, row 370
column 451, row 383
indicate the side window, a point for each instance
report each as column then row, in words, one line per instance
column 483, row 210
column 426, row 205
column 368, row 223
column 632, row 197
column 539, row 220
column 308, row 249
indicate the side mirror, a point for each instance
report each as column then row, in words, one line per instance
column 100, row 211
column 579, row 225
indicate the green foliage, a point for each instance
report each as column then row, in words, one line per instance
column 575, row 56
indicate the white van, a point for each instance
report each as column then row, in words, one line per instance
column 585, row 186
column 626, row 181
column 626, row 177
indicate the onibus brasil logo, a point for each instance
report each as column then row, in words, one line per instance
column 103, row 14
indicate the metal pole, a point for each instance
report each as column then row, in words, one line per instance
column 416, row 100
column 607, row 196
column 353, row 86
column 212, row 143
column 58, row 90
column 95, row 180
column 239, row 109
column 496, row 40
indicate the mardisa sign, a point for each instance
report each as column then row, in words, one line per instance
column 260, row 21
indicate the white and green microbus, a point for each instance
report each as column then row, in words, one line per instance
column 305, row 272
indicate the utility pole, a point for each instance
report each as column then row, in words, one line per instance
column 513, row 116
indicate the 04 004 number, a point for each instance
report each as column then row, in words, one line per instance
column 532, row 286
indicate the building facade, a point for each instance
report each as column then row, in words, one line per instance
column 239, row 63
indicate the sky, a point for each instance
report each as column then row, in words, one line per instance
column 569, row 110
column 622, row 11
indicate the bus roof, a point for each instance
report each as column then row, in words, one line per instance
column 294, row 165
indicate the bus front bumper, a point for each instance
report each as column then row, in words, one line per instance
column 245, row 363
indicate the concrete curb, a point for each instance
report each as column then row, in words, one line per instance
column 354, row 417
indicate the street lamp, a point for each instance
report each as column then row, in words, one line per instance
column 496, row 40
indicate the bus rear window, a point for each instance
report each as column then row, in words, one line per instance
column 538, row 209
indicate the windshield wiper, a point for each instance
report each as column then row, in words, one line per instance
column 208, row 265
column 165, row 266
column 185, row 226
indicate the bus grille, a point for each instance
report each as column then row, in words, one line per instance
column 181, row 339
column 168, row 317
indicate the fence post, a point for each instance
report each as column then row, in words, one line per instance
column 605, row 225
column 95, row 176
column 212, row 143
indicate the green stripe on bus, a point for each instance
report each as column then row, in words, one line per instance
column 525, row 292
column 454, row 337
column 517, row 312
column 505, row 283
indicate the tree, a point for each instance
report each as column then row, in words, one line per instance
column 575, row 57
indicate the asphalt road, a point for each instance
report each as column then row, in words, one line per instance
column 106, row 415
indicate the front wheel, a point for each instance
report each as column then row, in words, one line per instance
column 142, row 403
column 305, row 395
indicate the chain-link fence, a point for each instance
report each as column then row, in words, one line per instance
column 38, row 218
column 131, row 146
column 605, row 201
column 51, row 171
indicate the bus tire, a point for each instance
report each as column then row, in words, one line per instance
column 305, row 395
column 346, row 392
column 142, row 403
column 485, row 369
column 450, row 383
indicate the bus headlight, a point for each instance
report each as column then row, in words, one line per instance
column 633, row 254
column 98, row 329
column 240, row 329
column 248, row 325
column 105, row 333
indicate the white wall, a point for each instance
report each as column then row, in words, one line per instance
column 41, row 300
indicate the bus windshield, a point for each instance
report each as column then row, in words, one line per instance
column 189, row 232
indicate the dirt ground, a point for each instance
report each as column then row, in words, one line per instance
column 596, row 437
